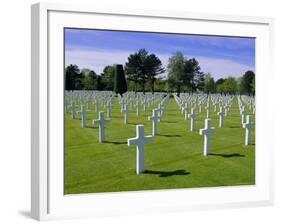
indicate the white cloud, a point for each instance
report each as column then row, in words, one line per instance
column 220, row 68
column 97, row 60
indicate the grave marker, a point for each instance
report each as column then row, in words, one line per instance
column 126, row 111
column 221, row 114
column 101, row 122
column 154, row 118
column 192, row 117
column 247, row 126
column 207, row 131
column 140, row 140
column 83, row 116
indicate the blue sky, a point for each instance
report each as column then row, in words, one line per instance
column 220, row 56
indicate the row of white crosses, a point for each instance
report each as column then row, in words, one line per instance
column 139, row 100
column 207, row 131
column 75, row 98
column 249, row 102
column 101, row 121
column 140, row 139
column 242, row 100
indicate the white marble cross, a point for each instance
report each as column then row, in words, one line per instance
column 144, row 104
column 96, row 105
column 221, row 114
column 126, row 111
column 139, row 141
column 208, row 110
column 160, row 111
column 154, row 118
column 247, row 126
column 73, row 109
column 192, row 117
column 185, row 110
column 101, row 122
column 89, row 102
column 83, row 116
column 226, row 110
column 215, row 107
column 137, row 107
column 242, row 112
column 207, row 131
column 122, row 103
column 108, row 108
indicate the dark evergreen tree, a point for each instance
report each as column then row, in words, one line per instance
column 120, row 85
column 71, row 74
column 246, row 84
column 99, row 83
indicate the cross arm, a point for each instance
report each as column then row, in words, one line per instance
column 148, row 139
column 96, row 121
column 132, row 141
column 202, row 131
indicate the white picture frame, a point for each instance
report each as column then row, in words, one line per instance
column 48, row 201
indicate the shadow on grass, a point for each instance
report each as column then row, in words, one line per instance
column 133, row 123
column 227, row 155
column 92, row 127
column 170, row 136
column 167, row 173
column 115, row 142
column 234, row 126
column 169, row 122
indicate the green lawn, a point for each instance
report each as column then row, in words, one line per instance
column 174, row 159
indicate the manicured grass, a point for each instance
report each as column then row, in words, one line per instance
column 174, row 159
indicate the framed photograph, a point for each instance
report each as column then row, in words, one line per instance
column 148, row 111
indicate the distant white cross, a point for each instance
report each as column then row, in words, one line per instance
column 140, row 140
column 137, row 107
column 83, row 116
column 89, row 102
column 207, row 131
column 73, row 109
column 215, row 107
column 144, row 104
column 97, row 105
column 126, row 111
column 221, row 114
column 131, row 103
column 248, row 125
column 122, row 103
column 192, row 117
column 208, row 109
column 185, row 110
column 226, row 109
column 108, row 108
column 101, row 122
column 154, row 118
column 242, row 112
column 160, row 111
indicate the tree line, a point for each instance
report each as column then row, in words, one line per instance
column 142, row 72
